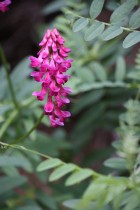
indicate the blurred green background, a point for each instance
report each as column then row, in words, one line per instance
column 101, row 73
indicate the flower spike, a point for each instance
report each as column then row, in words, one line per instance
column 4, row 5
column 51, row 65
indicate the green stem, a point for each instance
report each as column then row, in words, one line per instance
column 7, row 123
column 6, row 67
column 13, row 116
column 107, row 24
column 27, row 102
column 30, row 131
column 14, row 146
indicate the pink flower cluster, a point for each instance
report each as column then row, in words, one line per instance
column 4, row 5
column 52, row 65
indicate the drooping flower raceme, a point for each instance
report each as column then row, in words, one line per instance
column 51, row 65
column 4, row 5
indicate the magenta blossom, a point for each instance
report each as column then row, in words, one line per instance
column 51, row 65
column 4, row 5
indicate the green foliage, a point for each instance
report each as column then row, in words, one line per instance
column 123, row 11
column 107, row 188
column 54, row 7
column 117, row 163
column 17, row 161
column 131, row 39
column 49, row 164
column 120, row 71
column 100, row 72
column 135, row 20
column 120, row 21
column 9, row 183
column 96, row 8
column 105, row 96
column 94, row 30
column 111, row 32
column 80, row 24
column 62, row 171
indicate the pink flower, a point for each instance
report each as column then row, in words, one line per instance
column 4, row 5
column 51, row 65
column 49, row 107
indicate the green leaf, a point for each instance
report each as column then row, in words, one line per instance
column 123, row 11
column 79, row 176
column 131, row 200
column 100, row 72
column 87, row 100
column 8, row 183
column 72, row 204
column 80, row 24
column 77, row 204
column 48, row 164
column 5, row 107
column 28, row 124
column 99, row 85
column 86, row 75
column 15, row 161
column 61, row 171
column 133, row 203
column 10, row 171
column 115, row 190
column 3, row 84
column 53, row 7
column 73, row 83
column 111, row 32
column 117, row 163
column 96, row 8
column 45, row 144
column 84, row 127
column 47, row 201
column 135, row 19
column 112, row 5
column 132, row 39
column 117, row 144
column 95, row 189
column 21, row 71
column 120, row 69
column 94, row 31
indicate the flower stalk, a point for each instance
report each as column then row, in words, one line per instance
column 30, row 131
column 8, row 122
column 51, row 65
column 6, row 68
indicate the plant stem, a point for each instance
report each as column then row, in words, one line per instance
column 7, row 123
column 107, row 24
column 6, row 67
column 13, row 115
column 14, row 146
column 30, row 131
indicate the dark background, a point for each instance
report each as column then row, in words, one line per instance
column 17, row 28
